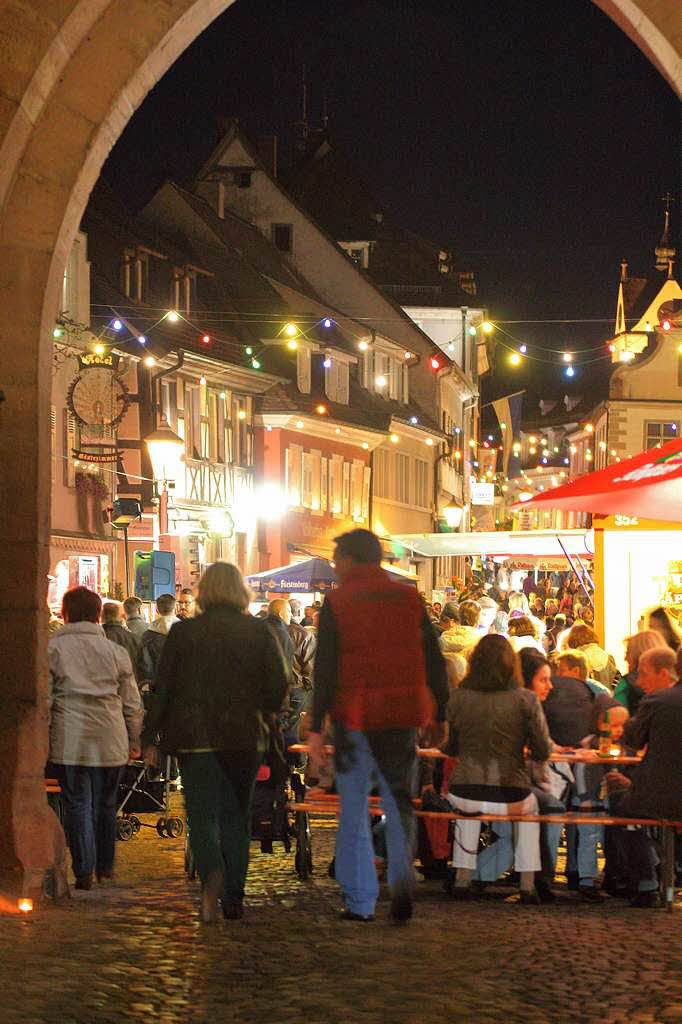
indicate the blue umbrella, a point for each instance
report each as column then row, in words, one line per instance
column 313, row 575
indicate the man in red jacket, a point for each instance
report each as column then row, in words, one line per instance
column 380, row 676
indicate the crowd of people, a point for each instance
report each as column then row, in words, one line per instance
column 505, row 677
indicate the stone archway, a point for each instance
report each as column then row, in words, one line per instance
column 69, row 83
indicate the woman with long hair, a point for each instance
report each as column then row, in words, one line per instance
column 493, row 718
column 219, row 673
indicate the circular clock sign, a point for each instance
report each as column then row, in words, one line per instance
column 98, row 397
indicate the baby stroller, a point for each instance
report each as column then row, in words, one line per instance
column 143, row 793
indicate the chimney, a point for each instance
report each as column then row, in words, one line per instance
column 267, row 151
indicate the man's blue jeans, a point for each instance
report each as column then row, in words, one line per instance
column 89, row 796
column 387, row 759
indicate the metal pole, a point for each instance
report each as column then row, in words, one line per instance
column 572, row 565
column 125, row 548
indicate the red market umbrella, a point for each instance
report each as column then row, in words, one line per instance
column 648, row 485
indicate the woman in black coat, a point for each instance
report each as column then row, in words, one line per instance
column 219, row 673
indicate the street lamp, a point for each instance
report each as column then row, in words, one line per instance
column 452, row 513
column 165, row 452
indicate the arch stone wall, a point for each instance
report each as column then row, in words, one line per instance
column 72, row 74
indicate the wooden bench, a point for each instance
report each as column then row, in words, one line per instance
column 321, row 803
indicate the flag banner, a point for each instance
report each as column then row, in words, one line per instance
column 508, row 412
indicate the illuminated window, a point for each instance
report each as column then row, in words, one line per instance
column 659, row 432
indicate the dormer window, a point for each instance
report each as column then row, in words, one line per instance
column 358, row 252
column 283, row 237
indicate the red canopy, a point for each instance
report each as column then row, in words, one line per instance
column 648, row 485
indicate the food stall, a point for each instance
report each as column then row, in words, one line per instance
column 637, row 535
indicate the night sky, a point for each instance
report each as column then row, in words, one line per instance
column 532, row 138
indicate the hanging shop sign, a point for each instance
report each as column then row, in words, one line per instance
column 98, row 399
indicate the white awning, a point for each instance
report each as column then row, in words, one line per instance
column 535, row 544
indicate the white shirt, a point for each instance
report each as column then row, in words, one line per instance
column 95, row 707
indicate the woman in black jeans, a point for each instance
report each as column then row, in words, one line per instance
column 219, row 673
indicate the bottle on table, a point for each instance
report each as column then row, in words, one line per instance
column 604, row 748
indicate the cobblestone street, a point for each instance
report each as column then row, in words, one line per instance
column 135, row 952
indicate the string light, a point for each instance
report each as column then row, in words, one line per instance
column 589, row 428
column 365, row 445
column 666, row 325
column 567, row 357
column 327, row 322
column 327, row 363
column 487, row 327
column 514, row 359
column 321, row 410
column 202, row 381
column 337, row 430
column 380, row 381
column 99, row 350
column 291, row 330
column 299, row 424
column 408, row 355
column 142, row 340
column 429, row 441
column 363, row 345
column 414, row 421
column 569, row 371
column 256, row 364
column 206, row 338
column 292, row 344
column 249, row 350
column 150, row 361
column 394, row 438
column 435, row 363
column 172, row 316
column 57, row 332
column 117, row 325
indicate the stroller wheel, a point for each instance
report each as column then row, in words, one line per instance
column 124, row 829
column 135, row 822
column 174, row 827
column 161, row 828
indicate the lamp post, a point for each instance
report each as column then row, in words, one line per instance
column 452, row 513
column 165, row 452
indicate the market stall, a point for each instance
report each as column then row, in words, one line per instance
column 637, row 525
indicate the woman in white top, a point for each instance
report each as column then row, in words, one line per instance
column 522, row 634
column 95, row 721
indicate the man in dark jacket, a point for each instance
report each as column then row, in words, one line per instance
column 153, row 640
column 300, row 695
column 380, row 676
column 654, row 789
column 112, row 624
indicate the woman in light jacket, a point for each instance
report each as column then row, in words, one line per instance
column 492, row 720
column 95, row 720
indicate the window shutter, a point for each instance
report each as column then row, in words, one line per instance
column 303, row 369
column 366, row 482
column 70, row 442
column 394, row 374
column 315, row 495
column 294, row 458
column 406, row 384
column 324, row 483
column 308, row 475
column 342, row 383
column 336, row 502
column 346, row 488
column 356, row 486
column 330, row 381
